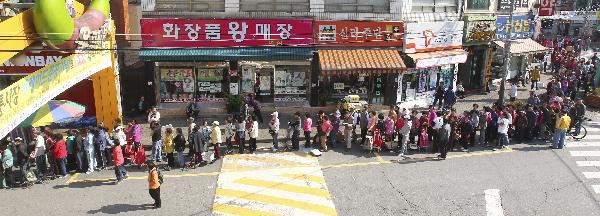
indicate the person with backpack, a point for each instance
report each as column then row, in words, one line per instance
column 119, row 161
column 154, row 183
column 180, row 147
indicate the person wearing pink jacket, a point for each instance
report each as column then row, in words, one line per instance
column 326, row 127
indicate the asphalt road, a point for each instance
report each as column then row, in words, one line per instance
column 532, row 180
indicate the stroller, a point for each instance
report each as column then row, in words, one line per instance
column 374, row 142
column 28, row 175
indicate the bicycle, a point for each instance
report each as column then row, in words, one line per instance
column 573, row 133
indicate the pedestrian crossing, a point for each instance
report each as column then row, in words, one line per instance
column 272, row 184
column 586, row 153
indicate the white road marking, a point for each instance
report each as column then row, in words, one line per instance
column 596, row 188
column 587, row 163
column 493, row 202
column 588, row 137
column 591, row 175
column 585, row 153
column 575, row 144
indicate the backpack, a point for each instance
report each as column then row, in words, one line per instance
column 160, row 176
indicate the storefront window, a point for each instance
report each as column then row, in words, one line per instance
column 210, row 83
column 177, row 84
column 290, row 86
column 421, row 83
column 348, row 85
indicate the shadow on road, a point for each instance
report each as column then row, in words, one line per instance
column 84, row 184
column 120, row 208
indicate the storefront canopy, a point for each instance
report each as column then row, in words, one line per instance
column 438, row 58
column 224, row 54
column 523, row 46
column 360, row 61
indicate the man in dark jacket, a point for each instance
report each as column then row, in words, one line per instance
column 100, row 147
column 156, row 141
column 196, row 145
column 531, row 122
column 439, row 95
column 449, row 98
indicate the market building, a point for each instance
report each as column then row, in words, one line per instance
column 205, row 60
column 433, row 51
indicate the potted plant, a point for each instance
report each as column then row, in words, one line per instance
column 234, row 103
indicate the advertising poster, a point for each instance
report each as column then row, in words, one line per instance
column 265, row 83
column 431, row 36
column 280, row 78
column 359, row 33
column 298, row 79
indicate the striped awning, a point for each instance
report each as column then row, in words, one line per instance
column 360, row 61
column 523, row 46
column 438, row 58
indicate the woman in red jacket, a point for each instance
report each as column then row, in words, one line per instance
column 60, row 154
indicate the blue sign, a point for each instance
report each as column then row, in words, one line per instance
column 522, row 27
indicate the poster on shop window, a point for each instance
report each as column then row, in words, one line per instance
column 280, row 78
column 399, row 90
column 265, row 83
column 433, row 77
column 298, row 79
column 248, row 80
column 447, row 76
column 233, row 89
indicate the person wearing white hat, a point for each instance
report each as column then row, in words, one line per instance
column 404, row 132
column 216, row 139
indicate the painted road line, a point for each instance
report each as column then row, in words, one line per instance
column 596, row 188
column 585, row 153
column 73, row 178
column 572, row 144
column 378, row 157
column 284, row 187
column 493, row 202
column 591, row 175
column 472, row 154
column 277, row 183
column 588, row 163
column 308, row 206
column 588, row 137
column 236, row 210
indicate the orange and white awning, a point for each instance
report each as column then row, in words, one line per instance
column 360, row 61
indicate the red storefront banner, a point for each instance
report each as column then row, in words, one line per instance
column 547, row 7
column 357, row 33
column 225, row 33
column 30, row 62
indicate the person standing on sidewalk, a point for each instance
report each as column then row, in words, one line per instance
column 296, row 127
column 274, row 130
column 404, row 131
column 307, row 126
column 348, row 126
column 60, row 154
column 180, row 147
column 154, row 184
column 229, row 133
column 168, row 141
column 439, row 96
column 535, row 77
column 156, row 141
column 89, row 149
column 6, row 177
column 241, row 134
column 326, row 128
column 216, row 139
column 513, row 91
column 119, row 161
column 443, row 138
column 196, row 146
column 253, row 134
column 563, row 122
column 503, row 124
column 364, row 125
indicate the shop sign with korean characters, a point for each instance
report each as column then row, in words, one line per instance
column 504, row 5
column 522, row 27
column 479, row 29
column 547, row 7
column 432, row 36
column 357, row 33
column 225, row 33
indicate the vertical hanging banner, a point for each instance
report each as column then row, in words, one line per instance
column 25, row 96
column 547, row 7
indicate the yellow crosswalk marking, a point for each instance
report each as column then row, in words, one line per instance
column 276, row 200
column 284, row 187
column 312, row 178
column 271, row 160
column 236, row 210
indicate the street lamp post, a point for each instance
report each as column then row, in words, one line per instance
column 507, row 44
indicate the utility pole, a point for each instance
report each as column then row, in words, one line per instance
column 507, row 44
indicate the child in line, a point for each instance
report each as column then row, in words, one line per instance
column 119, row 161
